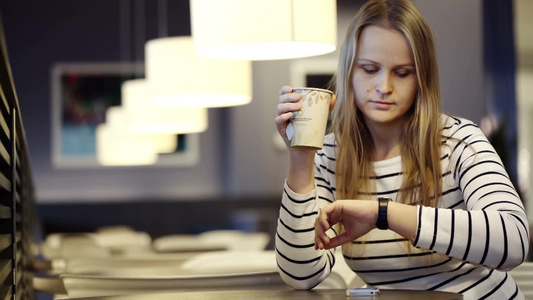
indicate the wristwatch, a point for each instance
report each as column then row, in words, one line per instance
column 381, row 221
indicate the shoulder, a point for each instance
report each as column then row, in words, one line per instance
column 457, row 127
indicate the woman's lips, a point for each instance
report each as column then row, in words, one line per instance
column 382, row 105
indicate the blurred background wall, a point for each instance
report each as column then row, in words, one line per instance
column 242, row 168
column 238, row 155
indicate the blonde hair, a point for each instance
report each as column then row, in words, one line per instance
column 421, row 133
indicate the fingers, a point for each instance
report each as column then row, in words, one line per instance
column 289, row 98
column 287, row 107
column 281, row 125
column 321, row 226
column 338, row 240
column 328, row 216
column 284, row 112
column 287, row 102
column 283, row 118
column 286, row 95
column 285, row 89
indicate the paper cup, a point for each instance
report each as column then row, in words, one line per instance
column 308, row 127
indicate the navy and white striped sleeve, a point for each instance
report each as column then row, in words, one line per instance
column 493, row 230
column 299, row 264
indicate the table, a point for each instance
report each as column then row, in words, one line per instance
column 283, row 294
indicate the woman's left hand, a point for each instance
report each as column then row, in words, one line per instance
column 357, row 216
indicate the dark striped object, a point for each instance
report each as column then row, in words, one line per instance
column 16, row 193
column 478, row 231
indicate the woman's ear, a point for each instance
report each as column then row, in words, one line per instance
column 332, row 102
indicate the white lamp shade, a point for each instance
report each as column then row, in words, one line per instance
column 263, row 29
column 144, row 117
column 114, row 149
column 178, row 77
column 117, row 145
column 164, row 143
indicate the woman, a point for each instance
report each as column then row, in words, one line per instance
column 391, row 141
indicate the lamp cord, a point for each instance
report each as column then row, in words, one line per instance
column 162, row 17
column 139, row 36
column 125, row 30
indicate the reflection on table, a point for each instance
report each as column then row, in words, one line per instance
column 283, row 294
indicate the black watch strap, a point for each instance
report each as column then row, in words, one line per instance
column 381, row 221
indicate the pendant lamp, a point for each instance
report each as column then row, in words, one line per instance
column 144, row 117
column 263, row 29
column 178, row 77
column 117, row 145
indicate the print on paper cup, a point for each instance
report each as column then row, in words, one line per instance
column 308, row 126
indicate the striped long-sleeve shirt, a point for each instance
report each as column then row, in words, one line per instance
column 478, row 231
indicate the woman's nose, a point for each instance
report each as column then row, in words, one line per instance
column 384, row 85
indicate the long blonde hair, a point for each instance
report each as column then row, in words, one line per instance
column 421, row 133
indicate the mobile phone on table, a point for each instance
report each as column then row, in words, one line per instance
column 362, row 292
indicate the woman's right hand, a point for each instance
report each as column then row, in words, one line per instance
column 287, row 106
column 300, row 174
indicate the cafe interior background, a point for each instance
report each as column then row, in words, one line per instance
column 230, row 176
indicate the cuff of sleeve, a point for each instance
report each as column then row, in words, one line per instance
column 299, row 205
column 418, row 223
column 425, row 227
column 298, row 198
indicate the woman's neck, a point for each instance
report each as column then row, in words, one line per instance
column 385, row 151
column 387, row 141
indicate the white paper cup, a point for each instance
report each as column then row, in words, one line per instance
column 308, row 127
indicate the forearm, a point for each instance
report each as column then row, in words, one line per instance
column 402, row 219
column 300, row 265
column 300, row 175
column 438, row 226
column 497, row 239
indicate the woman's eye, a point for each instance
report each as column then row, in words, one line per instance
column 369, row 70
column 402, row 73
